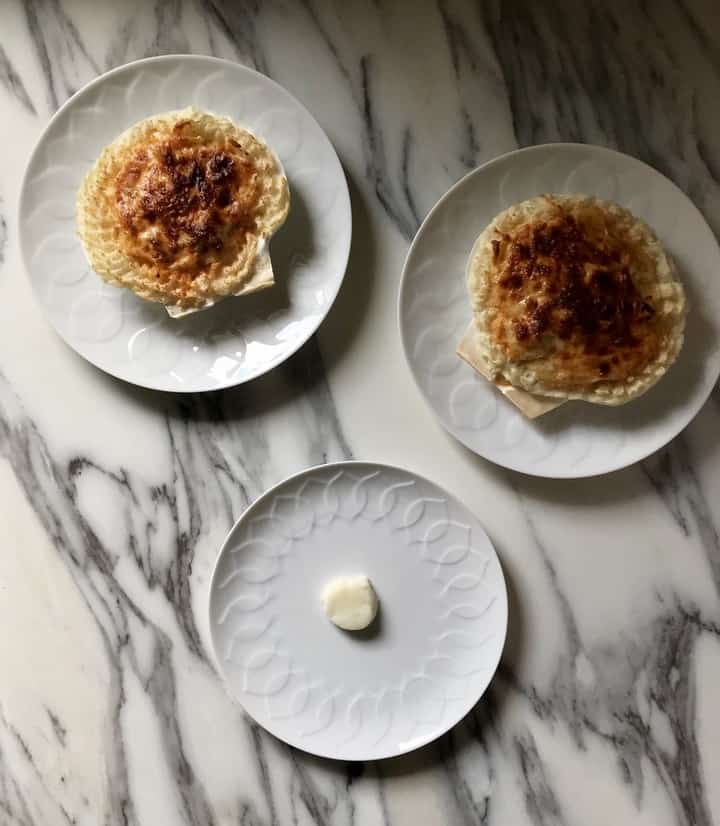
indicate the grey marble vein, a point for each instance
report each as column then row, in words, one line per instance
column 14, row 807
column 58, row 728
column 399, row 206
column 168, row 37
column 431, row 89
column 653, row 670
column 541, row 802
column 470, row 54
column 238, row 22
column 392, row 186
column 259, row 746
column 469, row 792
column 59, row 48
column 672, row 474
column 591, row 77
column 11, row 80
column 3, row 234
column 161, row 688
column 53, row 488
column 29, row 760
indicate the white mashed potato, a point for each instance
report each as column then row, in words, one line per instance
column 350, row 602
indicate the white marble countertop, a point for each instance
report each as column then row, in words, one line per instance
column 115, row 500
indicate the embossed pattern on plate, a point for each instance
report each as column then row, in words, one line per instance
column 417, row 670
column 577, row 439
column 239, row 338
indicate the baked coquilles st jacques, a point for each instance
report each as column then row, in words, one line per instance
column 180, row 209
column 573, row 298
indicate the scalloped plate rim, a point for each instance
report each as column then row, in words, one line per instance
column 520, row 467
column 221, row 63
column 212, row 587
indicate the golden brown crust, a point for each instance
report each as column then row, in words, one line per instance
column 575, row 298
column 178, row 208
column 569, row 278
column 185, row 206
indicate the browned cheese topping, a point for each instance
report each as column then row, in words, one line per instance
column 186, row 206
column 565, row 286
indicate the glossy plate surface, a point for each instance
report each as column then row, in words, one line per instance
column 239, row 338
column 428, row 656
column 578, row 439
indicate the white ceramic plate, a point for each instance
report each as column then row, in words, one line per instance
column 239, row 338
column 430, row 653
column 577, row 439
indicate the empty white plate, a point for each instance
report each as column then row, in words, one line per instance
column 432, row 649
column 239, row 338
column 577, row 439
